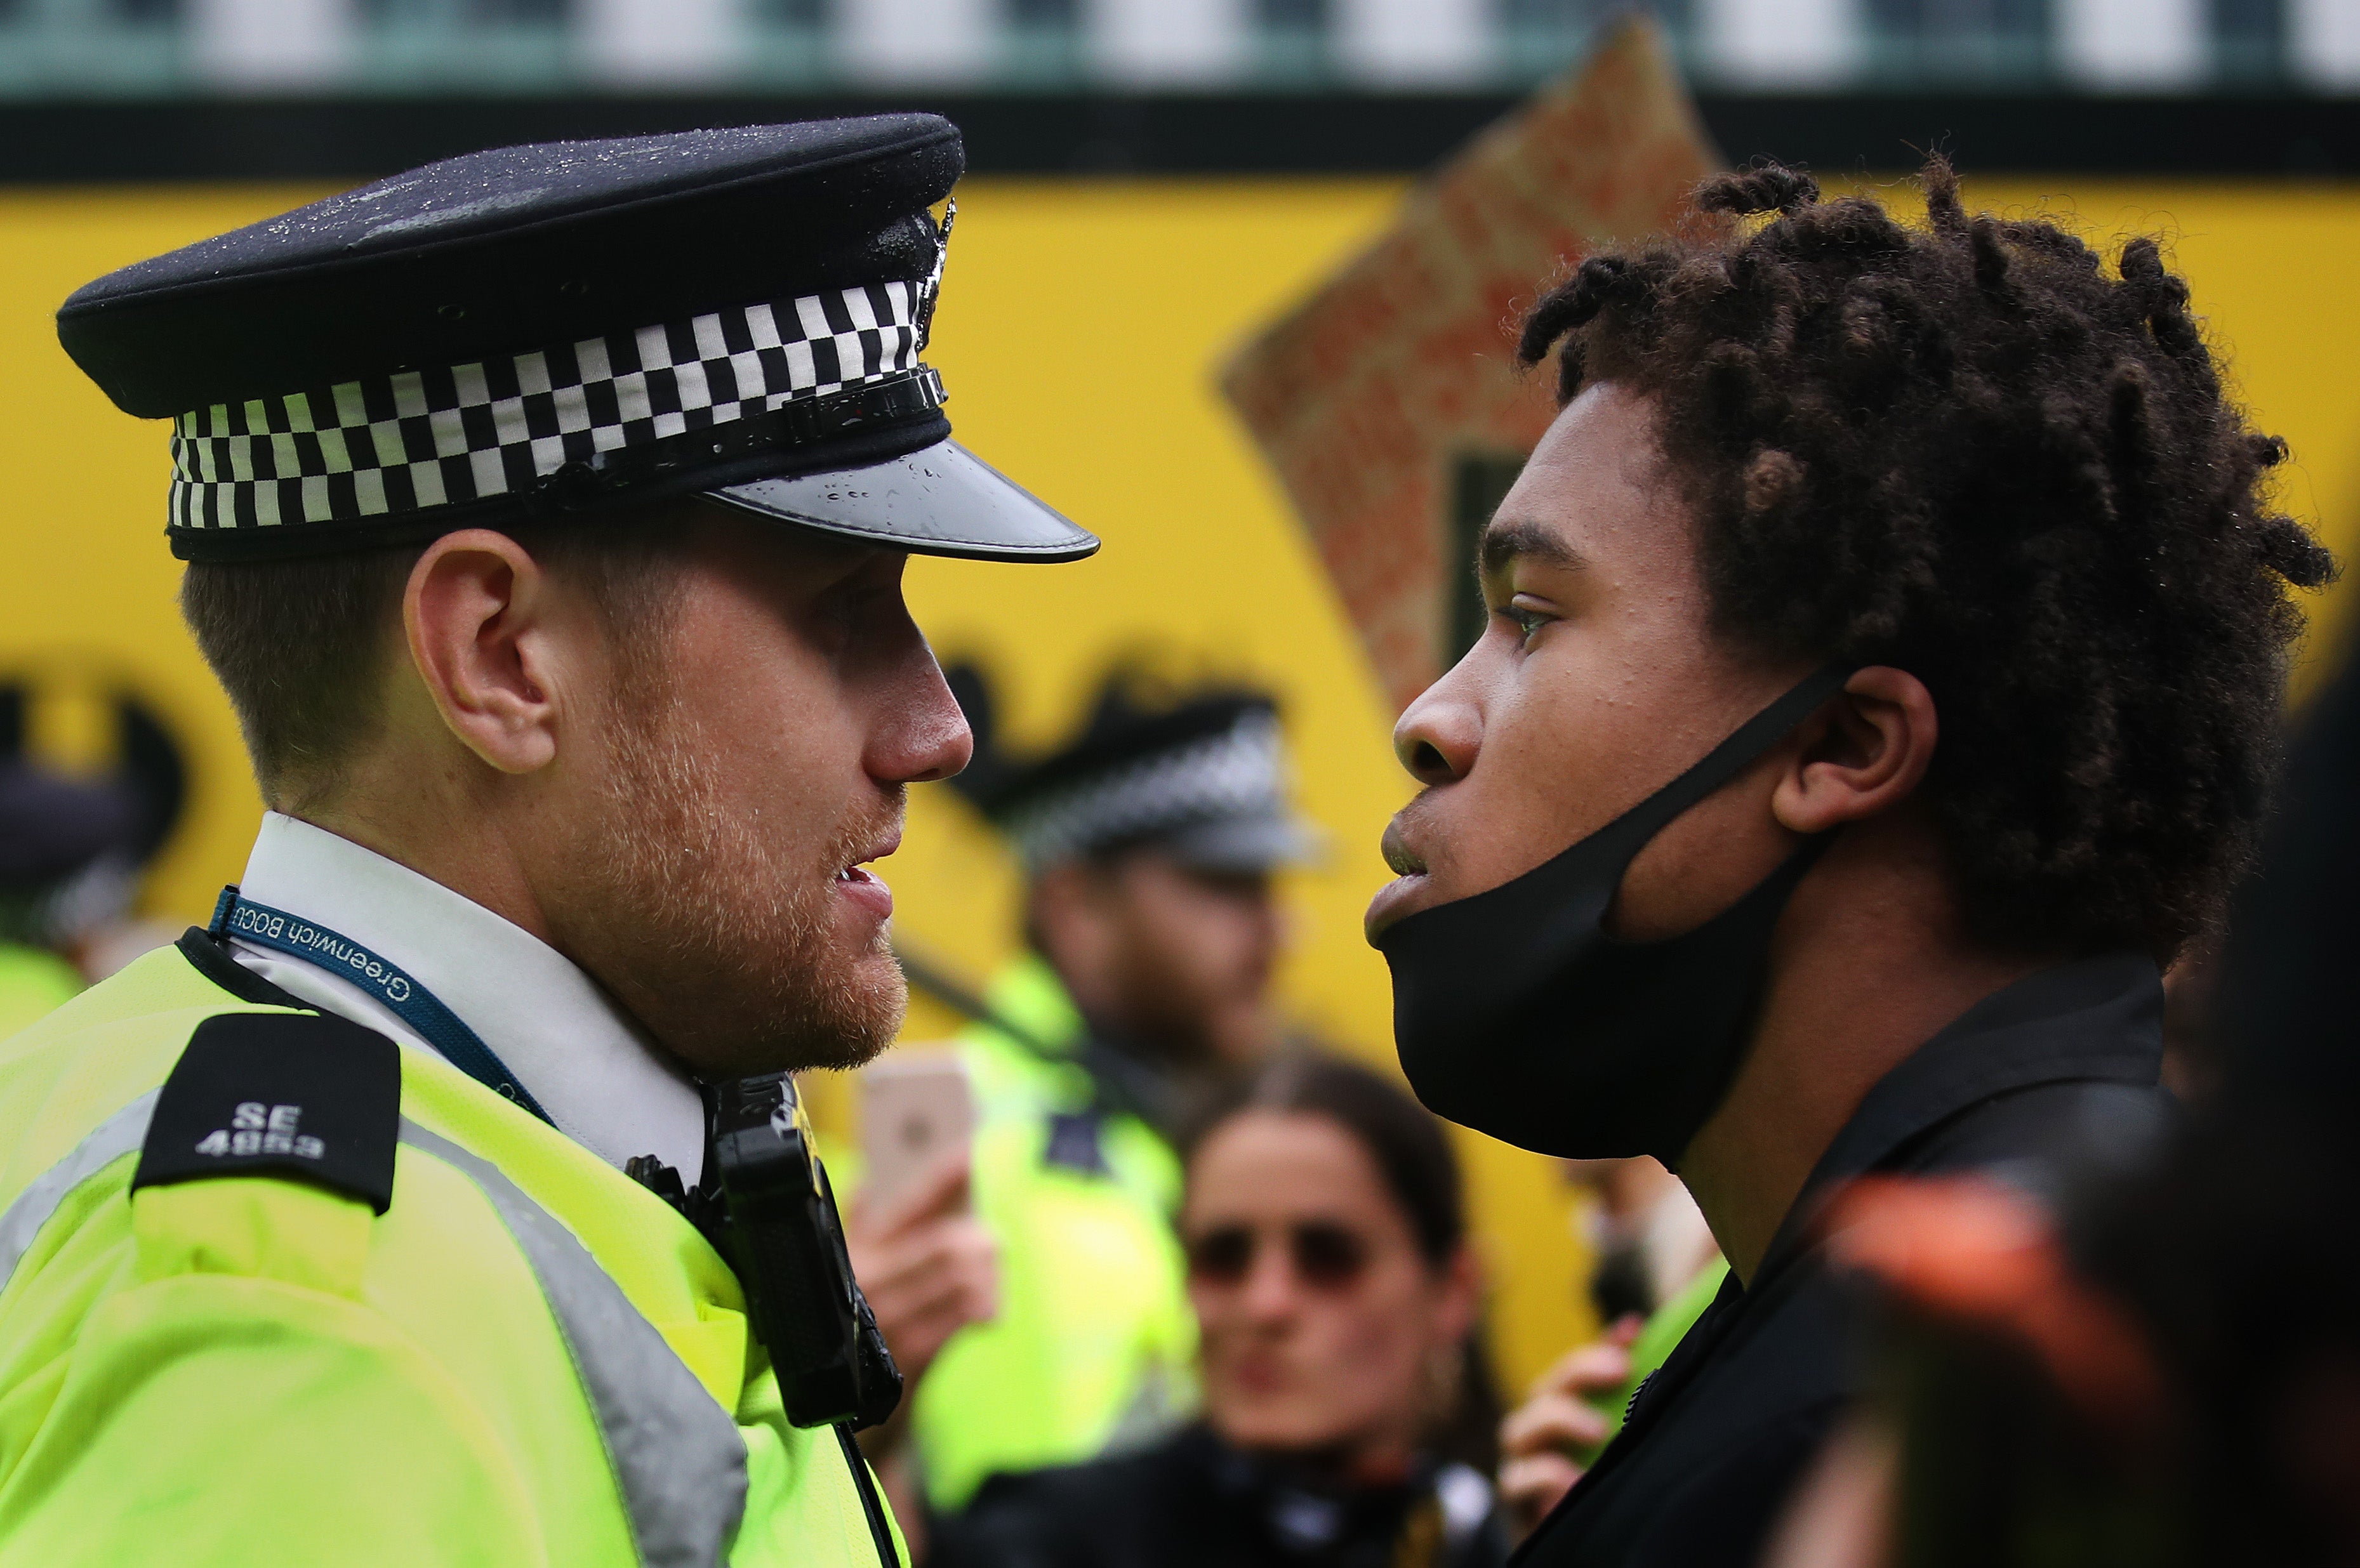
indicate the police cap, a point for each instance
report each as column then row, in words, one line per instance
column 1200, row 774
column 534, row 332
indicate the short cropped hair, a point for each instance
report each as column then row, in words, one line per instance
column 301, row 646
column 1972, row 451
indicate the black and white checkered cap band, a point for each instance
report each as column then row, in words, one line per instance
column 403, row 443
column 1240, row 772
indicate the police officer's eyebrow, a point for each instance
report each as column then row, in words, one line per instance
column 1503, row 541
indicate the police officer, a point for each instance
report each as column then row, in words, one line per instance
column 1148, row 842
column 61, row 839
column 546, row 511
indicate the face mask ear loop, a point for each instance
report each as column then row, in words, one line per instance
column 1633, row 829
column 1534, row 898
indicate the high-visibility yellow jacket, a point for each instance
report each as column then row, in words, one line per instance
column 526, row 1358
column 1095, row 1344
column 32, row 982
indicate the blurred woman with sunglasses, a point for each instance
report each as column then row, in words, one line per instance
column 1344, row 1409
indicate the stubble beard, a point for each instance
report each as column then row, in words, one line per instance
column 719, row 936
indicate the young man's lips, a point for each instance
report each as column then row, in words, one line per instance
column 1395, row 899
column 1394, row 846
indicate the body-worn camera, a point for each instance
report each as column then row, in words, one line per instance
column 787, row 1245
column 767, row 1206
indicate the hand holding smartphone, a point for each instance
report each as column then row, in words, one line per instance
column 917, row 1108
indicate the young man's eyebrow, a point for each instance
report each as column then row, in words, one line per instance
column 1504, row 540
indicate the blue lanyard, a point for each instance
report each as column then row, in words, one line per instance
column 340, row 955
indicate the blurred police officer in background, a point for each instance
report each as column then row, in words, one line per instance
column 546, row 512
column 1886, row 652
column 75, row 846
column 59, row 837
column 1148, row 843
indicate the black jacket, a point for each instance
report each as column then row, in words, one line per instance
column 2051, row 1071
column 1194, row 1502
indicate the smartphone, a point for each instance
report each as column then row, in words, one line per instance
column 916, row 1108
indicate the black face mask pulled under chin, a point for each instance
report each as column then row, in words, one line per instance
column 1516, row 1015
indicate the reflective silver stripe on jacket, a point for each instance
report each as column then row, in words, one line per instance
column 677, row 1454
column 117, row 1136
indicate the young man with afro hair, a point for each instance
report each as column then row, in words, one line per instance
column 1881, row 688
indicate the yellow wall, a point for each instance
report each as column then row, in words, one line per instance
column 1081, row 325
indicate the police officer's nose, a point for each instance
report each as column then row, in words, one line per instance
column 924, row 736
column 945, row 750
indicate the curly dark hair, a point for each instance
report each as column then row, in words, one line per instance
column 1965, row 451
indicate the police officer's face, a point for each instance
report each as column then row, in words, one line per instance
column 1326, row 1332
column 1178, row 959
column 1598, row 681
column 755, row 769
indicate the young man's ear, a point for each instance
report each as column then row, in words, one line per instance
column 474, row 612
column 1864, row 752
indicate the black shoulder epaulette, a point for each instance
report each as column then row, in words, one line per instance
column 307, row 1095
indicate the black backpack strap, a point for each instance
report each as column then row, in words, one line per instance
column 303, row 1095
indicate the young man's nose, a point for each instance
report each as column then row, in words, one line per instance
column 1438, row 735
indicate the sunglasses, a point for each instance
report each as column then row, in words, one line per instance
column 1327, row 1256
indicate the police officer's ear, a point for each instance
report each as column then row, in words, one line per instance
column 499, row 647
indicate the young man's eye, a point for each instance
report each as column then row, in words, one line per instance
column 1527, row 622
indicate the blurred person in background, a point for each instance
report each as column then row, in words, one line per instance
column 1148, row 843
column 1345, row 1410
column 1886, row 650
column 928, row 1268
column 73, row 851
column 1647, row 1235
column 1657, row 1270
column 64, row 844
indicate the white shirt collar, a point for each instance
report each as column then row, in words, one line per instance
column 595, row 1072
